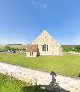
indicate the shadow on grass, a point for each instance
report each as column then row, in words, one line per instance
column 52, row 87
column 40, row 88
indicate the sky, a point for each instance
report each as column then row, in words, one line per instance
column 21, row 21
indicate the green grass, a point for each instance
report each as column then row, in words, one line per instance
column 10, row 84
column 13, row 46
column 68, row 64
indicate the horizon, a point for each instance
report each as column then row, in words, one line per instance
column 22, row 21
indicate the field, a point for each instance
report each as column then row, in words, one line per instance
column 10, row 84
column 13, row 46
column 68, row 65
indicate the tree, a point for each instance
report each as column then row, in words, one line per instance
column 7, row 48
column 12, row 48
column 77, row 48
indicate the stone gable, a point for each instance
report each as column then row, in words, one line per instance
column 47, row 45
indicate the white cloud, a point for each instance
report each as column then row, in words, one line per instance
column 38, row 3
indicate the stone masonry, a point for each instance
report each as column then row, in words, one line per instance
column 54, row 47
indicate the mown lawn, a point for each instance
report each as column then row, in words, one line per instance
column 68, row 64
column 10, row 84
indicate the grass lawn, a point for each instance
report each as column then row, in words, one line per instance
column 10, row 84
column 68, row 64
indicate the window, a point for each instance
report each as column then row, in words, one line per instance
column 47, row 47
column 45, row 36
column 31, row 53
column 44, row 47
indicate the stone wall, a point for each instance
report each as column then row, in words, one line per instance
column 54, row 47
column 43, row 78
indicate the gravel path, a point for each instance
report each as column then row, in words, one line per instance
column 43, row 78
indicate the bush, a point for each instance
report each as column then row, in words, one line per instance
column 7, row 48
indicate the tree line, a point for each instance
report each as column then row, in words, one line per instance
column 6, row 48
column 67, row 48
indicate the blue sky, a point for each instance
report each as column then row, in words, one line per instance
column 21, row 21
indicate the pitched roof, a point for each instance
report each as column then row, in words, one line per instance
column 32, row 48
column 45, row 33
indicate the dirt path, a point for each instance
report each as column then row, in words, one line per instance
column 43, row 78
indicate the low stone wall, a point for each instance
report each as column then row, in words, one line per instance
column 25, row 74
column 42, row 78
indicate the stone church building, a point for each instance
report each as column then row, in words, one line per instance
column 44, row 45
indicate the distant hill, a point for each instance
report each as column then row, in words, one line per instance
column 19, row 46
